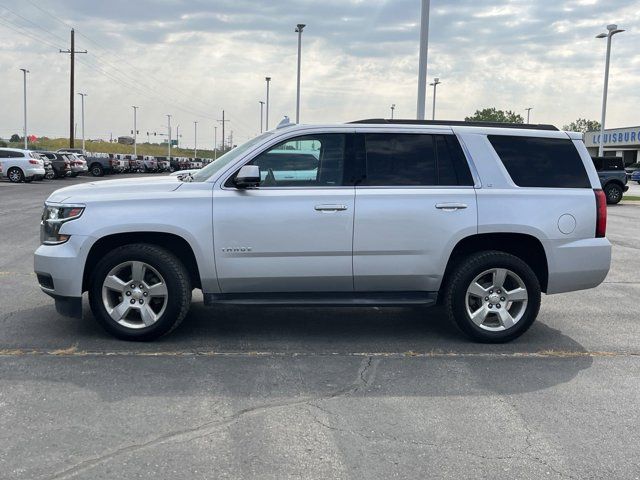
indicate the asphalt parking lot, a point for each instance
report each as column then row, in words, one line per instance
column 283, row 393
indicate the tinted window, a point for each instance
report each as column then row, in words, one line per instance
column 453, row 168
column 415, row 159
column 397, row 159
column 541, row 162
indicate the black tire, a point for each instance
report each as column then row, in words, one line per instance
column 50, row 175
column 97, row 170
column 15, row 175
column 614, row 192
column 462, row 277
column 177, row 281
column 74, row 174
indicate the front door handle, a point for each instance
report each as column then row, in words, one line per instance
column 330, row 208
column 451, row 206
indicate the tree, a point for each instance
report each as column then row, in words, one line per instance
column 494, row 115
column 583, row 125
column 15, row 138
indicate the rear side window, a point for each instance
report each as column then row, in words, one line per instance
column 541, row 162
column 406, row 159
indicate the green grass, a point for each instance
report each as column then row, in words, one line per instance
column 155, row 149
column 631, row 197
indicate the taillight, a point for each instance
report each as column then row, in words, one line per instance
column 601, row 213
column 34, row 162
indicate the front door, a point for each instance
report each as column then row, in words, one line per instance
column 294, row 232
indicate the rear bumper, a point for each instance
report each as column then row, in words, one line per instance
column 34, row 172
column 577, row 265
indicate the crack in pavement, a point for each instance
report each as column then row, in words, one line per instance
column 363, row 377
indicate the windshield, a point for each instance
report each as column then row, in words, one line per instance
column 228, row 158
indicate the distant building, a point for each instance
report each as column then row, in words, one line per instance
column 618, row 142
column 125, row 140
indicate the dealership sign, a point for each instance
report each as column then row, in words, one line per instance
column 620, row 137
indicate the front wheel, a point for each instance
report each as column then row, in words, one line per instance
column 140, row 292
column 493, row 296
column 97, row 170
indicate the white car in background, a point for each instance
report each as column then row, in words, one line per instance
column 77, row 162
column 21, row 165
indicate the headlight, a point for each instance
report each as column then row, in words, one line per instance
column 52, row 219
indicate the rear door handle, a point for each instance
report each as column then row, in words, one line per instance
column 330, row 208
column 451, row 206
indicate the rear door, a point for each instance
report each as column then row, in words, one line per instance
column 416, row 200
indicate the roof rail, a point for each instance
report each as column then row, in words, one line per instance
column 459, row 123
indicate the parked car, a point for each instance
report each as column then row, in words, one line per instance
column 174, row 164
column 77, row 162
column 150, row 164
column 163, row 164
column 635, row 176
column 479, row 218
column 99, row 164
column 59, row 163
column 634, row 167
column 613, row 177
column 21, row 165
column 49, row 173
column 79, row 151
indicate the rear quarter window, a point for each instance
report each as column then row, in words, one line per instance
column 541, row 162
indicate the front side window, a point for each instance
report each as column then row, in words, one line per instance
column 306, row 161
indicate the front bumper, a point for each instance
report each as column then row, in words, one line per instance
column 62, row 266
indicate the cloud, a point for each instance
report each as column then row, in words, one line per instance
column 194, row 58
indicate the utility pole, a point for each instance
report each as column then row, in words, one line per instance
column 24, row 77
column 298, row 30
column 178, row 136
column 72, row 51
column 223, row 122
column 268, row 79
column 169, row 134
column 215, row 143
column 393, row 107
column 231, row 139
column 422, row 62
column 135, row 130
column 82, row 95
column 528, row 113
column 436, row 82
column 261, row 114
column 195, row 141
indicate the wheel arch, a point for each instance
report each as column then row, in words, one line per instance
column 172, row 242
column 522, row 245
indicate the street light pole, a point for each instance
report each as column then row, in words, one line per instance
column 82, row 95
column 528, row 109
column 261, row 114
column 169, row 135
column 266, row 119
column 135, row 130
column 393, row 107
column 24, row 79
column 298, row 30
column 422, row 62
column 612, row 30
column 195, row 141
column 436, row 82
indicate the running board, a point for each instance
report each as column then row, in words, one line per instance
column 328, row 299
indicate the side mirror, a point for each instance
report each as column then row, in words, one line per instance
column 248, row 176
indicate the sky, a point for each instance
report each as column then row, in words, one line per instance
column 192, row 59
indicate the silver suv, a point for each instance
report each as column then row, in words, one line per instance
column 481, row 218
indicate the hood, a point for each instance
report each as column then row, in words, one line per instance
column 127, row 188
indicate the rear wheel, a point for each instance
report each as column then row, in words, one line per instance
column 493, row 296
column 613, row 191
column 97, row 170
column 15, row 175
column 140, row 292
